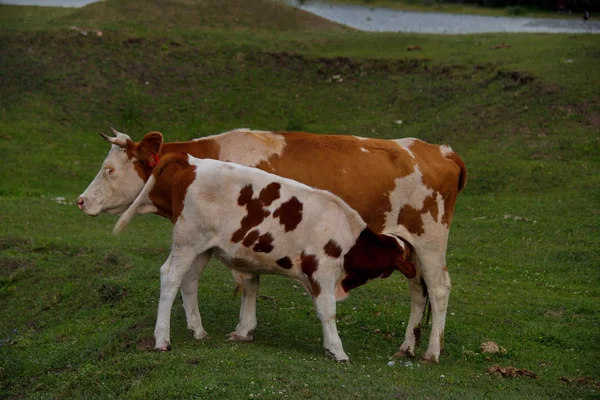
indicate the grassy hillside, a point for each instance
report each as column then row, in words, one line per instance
column 79, row 303
column 163, row 16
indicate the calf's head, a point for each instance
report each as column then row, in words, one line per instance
column 122, row 175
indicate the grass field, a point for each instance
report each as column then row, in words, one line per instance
column 78, row 303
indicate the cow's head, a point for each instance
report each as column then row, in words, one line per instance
column 123, row 174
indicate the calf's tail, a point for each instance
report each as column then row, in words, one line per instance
column 128, row 215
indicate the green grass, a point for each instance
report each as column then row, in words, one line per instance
column 78, row 303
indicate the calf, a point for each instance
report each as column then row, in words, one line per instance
column 259, row 223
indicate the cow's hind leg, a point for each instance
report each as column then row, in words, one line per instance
column 247, row 323
column 437, row 280
column 326, row 308
column 171, row 275
column 417, row 307
column 189, row 295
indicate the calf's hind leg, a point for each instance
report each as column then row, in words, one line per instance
column 189, row 295
column 249, row 283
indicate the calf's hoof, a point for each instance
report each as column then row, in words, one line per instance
column 200, row 335
column 341, row 358
column 162, row 349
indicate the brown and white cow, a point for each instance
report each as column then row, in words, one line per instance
column 403, row 187
column 259, row 223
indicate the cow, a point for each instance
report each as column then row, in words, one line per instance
column 259, row 223
column 404, row 187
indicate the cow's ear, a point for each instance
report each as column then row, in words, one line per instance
column 149, row 148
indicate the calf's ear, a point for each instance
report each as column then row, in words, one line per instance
column 149, row 148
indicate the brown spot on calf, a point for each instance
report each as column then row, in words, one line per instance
column 176, row 175
column 289, row 214
column 264, row 244
column 284, row 262
column 332, row 249
column 309, row 264
column 255, row 213
column 270, row 193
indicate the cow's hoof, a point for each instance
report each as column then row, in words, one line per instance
column 233, row 336
column 430, row 359
column 404, row 354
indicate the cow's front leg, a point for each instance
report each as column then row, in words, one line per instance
column 326, row 307
column 171, row 275
column 189, row 295
column 247, row 323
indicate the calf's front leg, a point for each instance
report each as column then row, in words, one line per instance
column 172, row 273
column 325, row 306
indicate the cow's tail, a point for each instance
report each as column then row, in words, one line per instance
column 128, row 215
column 462, row 178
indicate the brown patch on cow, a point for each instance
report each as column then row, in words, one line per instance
column 270, row 193
column 255, row 213
column 309, row 264
column 202, row 148
column 289, row 214
column 332, row 249
column 410, row 218
column 250, row 238
column 330, row 162
column 264, row 244
column 430, row 206
column 284, row 263
column 445, row 268
column 374, row 256
column 446, row 175
column 173, row 175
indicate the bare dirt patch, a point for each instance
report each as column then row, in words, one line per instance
column 510, row 372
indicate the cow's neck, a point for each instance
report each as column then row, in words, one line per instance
column 203, row 148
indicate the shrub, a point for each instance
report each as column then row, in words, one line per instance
column 515, row 10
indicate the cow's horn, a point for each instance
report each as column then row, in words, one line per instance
column 114, row 140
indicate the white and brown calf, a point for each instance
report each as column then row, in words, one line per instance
column 403, row 187
column 259, row 223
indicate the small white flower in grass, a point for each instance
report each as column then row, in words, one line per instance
column 398, row 122
column 442, row 376
column 391, row 363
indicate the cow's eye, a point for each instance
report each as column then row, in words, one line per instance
column 109, row 171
